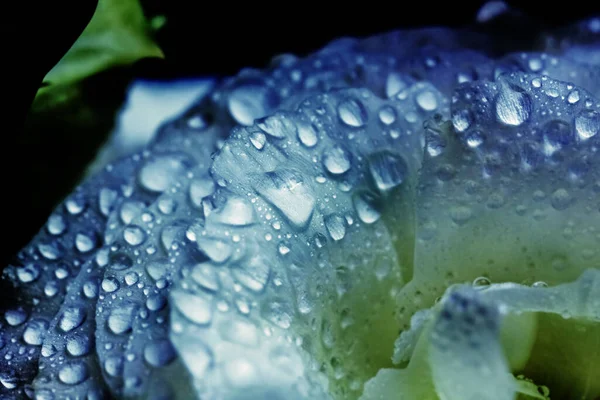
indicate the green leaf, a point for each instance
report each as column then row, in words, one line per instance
column 118, row 34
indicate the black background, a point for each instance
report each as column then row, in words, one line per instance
column 199, row 39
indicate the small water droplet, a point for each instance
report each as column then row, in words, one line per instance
column 159, row 173
column 106, row 200
column 573, row 97
column 110, row 284
column 120, row 319
column 387, row 115
column 307, row 134
column 15, row 317
column 84, row 242
column 35, row 331
column 366, row 207
column 78, row 345
column 28, row 273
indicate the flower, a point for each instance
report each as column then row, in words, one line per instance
column 306, row 258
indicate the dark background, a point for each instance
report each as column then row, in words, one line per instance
column 42, row 157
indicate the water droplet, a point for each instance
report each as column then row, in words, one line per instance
column 535, row 64
column 335, row 226
column 156, row 302
column 90, row 289
column 167, row 205
column 120, row 319
column 78, row 345
column 253, row 274
column 513, row 105
column 353, row 113
column 336, row 160
column 561, row 199
column 427, row 100
column 366, row 207
column 114, row 366
column 236, row 211
column 200, row 188
column 251, row 101
column 50, row 251
column 71, row 318
column 84, row 243
column 462, row 120
column 573, row 97
column 289, row 194
column 394, row 84
column 15, row 317
column 388, row 169
column 205, row 276
column 35, row 331
column 28, row 273
column 194, row 307
column 587, row 124
column 73, row 373
column 481, row 282
column 131, row 278
column 461, row 214
column 129, row 210
column 159, row 353
column 258, row 140
column 216, row 249
column 387, row 115
column 56, row 224
column 110, row 284
column 160, row 172
column 134, row 235
column 48, row 350
column 106, row 200
column 157, row 270
column 75, row 205
column 307, row 134
column 557, row 134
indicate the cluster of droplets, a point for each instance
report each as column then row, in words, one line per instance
column 172, row 273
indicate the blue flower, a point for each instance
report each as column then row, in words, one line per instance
column 394, row 217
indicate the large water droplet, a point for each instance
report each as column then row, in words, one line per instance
column 394, row 84
column 278, row 126
column 427, row 100
column 388, row 169
column 84, row 242
column 561, row 199
column 28, row 273
column 307, row 134
column 289, row 194
column 353, row 113
column 134, row 235
column 159, row 353
column 110, row 284
column 216, row 249
column 71, row 318
column 161, row 172
column 200, row 188
column 258, row 140
column 113, row 366
column 513, row 105
column 195, row 308
column 336, row 226
column 15, row 317
column 557, row 134
column 56, row 224
column 73, row 373
column 106, row 200
column 366, row 207
column 129, row 210
column 157, row 270
column 462, row 120
column 587, row 124
column 387, row 115
column 35, row 331
column 236, row 211
column 50, row 251
column 336, row 160
column 78, row 345
column 120, row 319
